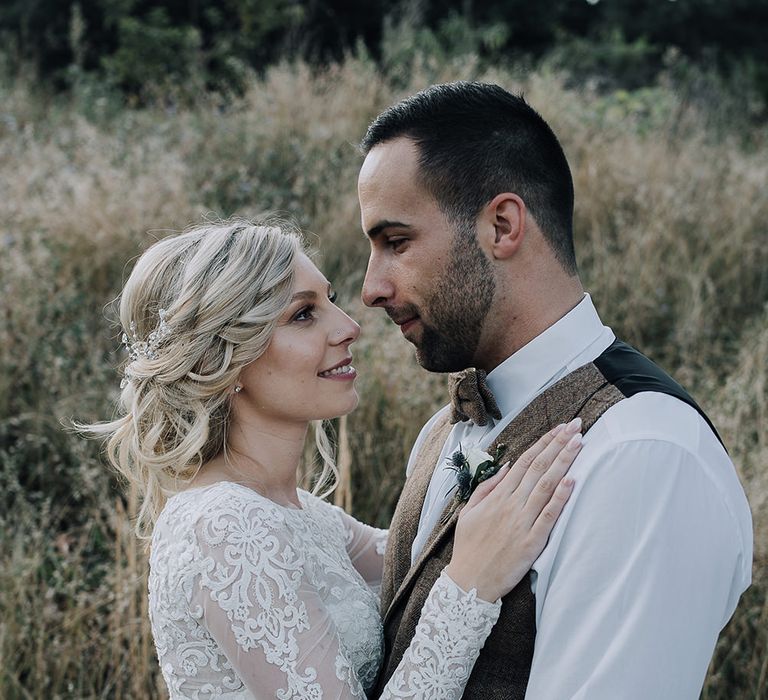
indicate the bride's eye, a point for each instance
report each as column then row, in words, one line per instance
column 306, row 313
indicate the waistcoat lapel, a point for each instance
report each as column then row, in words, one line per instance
column 405, row 521
column 444, row 525
column 559, row 404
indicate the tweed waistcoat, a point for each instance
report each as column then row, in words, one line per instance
column 503, row 667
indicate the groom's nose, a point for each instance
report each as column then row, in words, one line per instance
column 378, row 289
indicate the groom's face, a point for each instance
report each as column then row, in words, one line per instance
column 432, row 279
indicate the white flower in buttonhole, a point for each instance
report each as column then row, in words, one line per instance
column 473, row 468
column 475, row 457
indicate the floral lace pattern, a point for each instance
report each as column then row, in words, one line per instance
column 449, row 636
column 251, row 599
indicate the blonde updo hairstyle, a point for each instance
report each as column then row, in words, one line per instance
column 223, row 288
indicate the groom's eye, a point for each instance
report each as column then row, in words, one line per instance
column 396, row 243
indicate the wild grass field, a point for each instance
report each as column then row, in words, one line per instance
column 672, row 242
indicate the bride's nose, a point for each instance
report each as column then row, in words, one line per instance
column 347, row 331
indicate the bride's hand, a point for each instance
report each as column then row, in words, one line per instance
column 505, row 524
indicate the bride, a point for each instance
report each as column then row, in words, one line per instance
column 259, row 589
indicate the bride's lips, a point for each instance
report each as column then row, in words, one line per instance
column 341, row 371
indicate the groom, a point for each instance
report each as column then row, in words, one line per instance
column 467, row 200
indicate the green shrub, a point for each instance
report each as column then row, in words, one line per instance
column 153, row 54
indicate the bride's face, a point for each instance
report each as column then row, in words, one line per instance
column 305, row 373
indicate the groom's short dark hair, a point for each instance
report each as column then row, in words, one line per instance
column 476, row 140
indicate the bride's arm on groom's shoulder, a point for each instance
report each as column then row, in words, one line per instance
column 643, row 571
column 501, row 529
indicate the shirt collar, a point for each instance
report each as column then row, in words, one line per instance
column 523, row 374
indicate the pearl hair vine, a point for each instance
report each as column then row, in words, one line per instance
column 144, row 349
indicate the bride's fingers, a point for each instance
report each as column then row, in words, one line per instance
column 542, row 494
column 524, row 461
column 546, row 458
column 546, row 520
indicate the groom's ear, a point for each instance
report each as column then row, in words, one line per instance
column 505, row 215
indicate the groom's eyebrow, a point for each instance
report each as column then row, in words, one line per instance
column 383, row 226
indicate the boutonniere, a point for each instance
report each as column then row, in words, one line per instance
column 473, row 468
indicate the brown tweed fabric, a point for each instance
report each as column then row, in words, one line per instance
column 504, row 664
column 471, row 397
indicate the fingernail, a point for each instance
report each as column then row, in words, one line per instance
column 574, row 442
column 574, row 426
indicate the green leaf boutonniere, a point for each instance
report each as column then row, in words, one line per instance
column 473, row 468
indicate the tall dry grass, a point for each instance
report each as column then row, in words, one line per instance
column 672, row 242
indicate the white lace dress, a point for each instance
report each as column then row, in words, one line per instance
column 249, row 599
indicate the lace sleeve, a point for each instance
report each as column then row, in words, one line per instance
column 365, row 546
column 254, row 598
column 451, row 632
column 255, row 601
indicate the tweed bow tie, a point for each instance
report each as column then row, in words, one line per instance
column 471, row 397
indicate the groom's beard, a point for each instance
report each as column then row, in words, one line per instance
column 457, row 307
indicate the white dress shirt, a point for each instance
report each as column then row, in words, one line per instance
column 648, row 560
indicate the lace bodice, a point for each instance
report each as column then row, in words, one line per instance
column 250, row 599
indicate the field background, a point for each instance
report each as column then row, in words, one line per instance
column 670, row 161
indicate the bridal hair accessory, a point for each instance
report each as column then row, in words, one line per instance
column 471, row 397
column 473, row 468
column 144, row 349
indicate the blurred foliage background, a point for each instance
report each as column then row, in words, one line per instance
column 137, row 45
column 122, row 120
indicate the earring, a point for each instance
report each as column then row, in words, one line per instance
column 238, row 388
